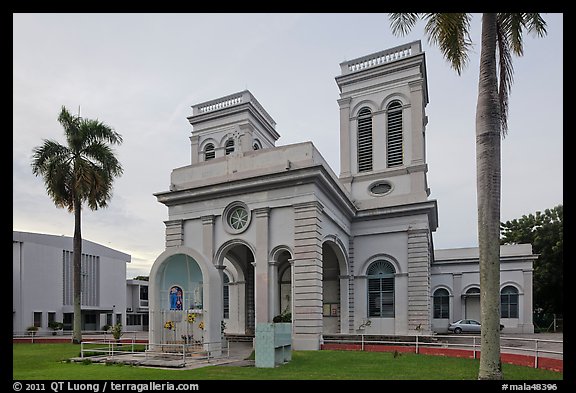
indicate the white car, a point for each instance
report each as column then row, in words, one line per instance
column 466, row 326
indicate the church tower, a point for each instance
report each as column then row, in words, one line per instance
column 382, row 127
column 232, row 125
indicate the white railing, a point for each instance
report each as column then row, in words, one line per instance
column 230, row 101
column 538, row 348
column 113, row 350
column 99, row 334
column 224, row 103
column 382, row 57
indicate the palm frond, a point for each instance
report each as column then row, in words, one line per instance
column 402, row 23
column 451, row 32
column 94, row 130
column 535, row 24
column 506, row 74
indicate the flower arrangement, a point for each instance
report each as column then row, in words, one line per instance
column 201, row 325
column 169, row 325
column 191, row 318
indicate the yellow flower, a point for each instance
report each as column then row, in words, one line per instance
column 201, row 325
column 191, row 318
column 169, row 325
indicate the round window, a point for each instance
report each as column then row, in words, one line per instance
column 236, row 217
column 380, row 188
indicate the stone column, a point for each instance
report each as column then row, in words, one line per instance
column 261, row 265
column 417, row 119
column 345, row 138
column 527, row 322
column 208, row 237
column 174, row 233
column 273, row 290
column 419, row 282
column 245, row 138
column 195, row 149
column 457, row 297
column 307, row 276
column 344, row 299
column 351, row 287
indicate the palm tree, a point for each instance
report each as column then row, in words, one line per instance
column 81, row 172
column 501, row 36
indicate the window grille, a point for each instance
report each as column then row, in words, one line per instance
column 381, row 289
column 364, row 140
column 209, row 152
column 226, row 296
column 89, row 279
column 441, row 304
column 509, row 302
column 394, row 151
column 229, row 146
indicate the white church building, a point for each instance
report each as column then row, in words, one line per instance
column 255, row 230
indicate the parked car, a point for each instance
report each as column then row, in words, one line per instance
column 466, row 326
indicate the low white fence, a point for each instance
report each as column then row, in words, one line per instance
column 538, row 348
column 186, row 352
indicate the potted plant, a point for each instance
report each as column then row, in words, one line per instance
column 117, row 332
column 32, row 330
column 55, row 326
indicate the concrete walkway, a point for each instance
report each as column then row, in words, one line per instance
column 237, row 356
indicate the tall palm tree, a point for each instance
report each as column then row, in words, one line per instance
column 501, row 37
column 80, row 172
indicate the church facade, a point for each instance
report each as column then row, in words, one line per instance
column 256, row 230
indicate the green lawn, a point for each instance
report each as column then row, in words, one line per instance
column 49, row 361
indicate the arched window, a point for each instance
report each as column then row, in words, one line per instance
column 381, row 289
column 394, row 150
column 226, row 296
column 209, row 152
column 229, row 146
column 509, row 302
column 364, row 140
column 441, row 304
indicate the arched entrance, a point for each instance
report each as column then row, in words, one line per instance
column 472, row 303
column 334, row 288
column 185, row 303
column 237, row 260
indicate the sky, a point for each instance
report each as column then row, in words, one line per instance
column 141, row 73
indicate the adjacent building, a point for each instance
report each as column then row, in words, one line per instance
column 42, row 290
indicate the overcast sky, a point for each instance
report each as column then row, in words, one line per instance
column 141, row 73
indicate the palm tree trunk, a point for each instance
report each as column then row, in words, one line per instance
column 488, row 138
column 77, row 274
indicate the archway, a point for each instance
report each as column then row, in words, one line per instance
column 238, row 257
column 334, row 288
column 472, row 303
column 178, row 294
column 283, row 298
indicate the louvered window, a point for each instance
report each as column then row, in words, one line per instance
column 381, row 289
column 229, row 146
column 226, row 297
column 364, row 140
column 394, row 151
column 441, row 304
column 209, row 152
column 89, row 277
column 509, row 302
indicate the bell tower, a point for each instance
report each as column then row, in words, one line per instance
column 382, row 127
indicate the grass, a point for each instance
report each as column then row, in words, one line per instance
column 51, row 361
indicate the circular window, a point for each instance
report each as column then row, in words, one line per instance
column 236, row 217
column 380, row 188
